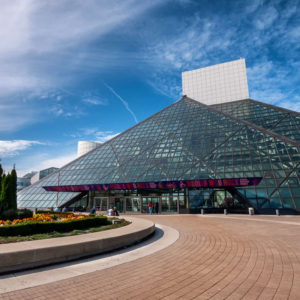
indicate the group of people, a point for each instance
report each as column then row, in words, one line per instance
column 150, row 207
column 113, row 211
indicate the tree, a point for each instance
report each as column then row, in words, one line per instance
column 13, row 189
column 1, row 175
column 8, row 191
column 4, row 192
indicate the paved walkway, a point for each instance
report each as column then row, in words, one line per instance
column 215, row 257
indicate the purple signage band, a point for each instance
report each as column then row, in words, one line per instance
column 201, row 183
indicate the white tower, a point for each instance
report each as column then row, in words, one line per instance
column 217, row 84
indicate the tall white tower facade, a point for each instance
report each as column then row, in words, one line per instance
column 216, row 84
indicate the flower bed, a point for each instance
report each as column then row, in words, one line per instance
column 49, row 222
column 44, row 217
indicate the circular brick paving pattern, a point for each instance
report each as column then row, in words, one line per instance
column 215, row 257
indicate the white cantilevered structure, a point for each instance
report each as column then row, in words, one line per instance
column 217, row 84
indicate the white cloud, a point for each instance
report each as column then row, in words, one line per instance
column 66, row 110
column 268, row 83
column 94, row 135
column 181, row 51
column 198, row 41
column 104, row 136
column 292, row 105
column 14, row 116
column 57, row 162
column 125, row 103
column 12, row 148
column 253, row 6
column 43, row 161
column 37, row 35
column 44, row 45
column 95, row 101
column 294, row 34
column 266, row 18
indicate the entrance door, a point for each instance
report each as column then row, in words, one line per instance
column 119, row 203
column 133, row 204
column 169, row 203
column 173, row 203
column 145, row 203
column 101, row 203
column 165, row 203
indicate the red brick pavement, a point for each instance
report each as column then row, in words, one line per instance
column 214, row 258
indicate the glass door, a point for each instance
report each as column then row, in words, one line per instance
column 128, row 201
column 133, row 204
column 119, row 203
column 101, row 203
column 165, row 203
column 146, row 201
column 173, row 203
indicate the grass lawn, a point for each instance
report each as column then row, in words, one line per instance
column 14, row 239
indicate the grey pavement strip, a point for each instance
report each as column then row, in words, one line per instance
column 164, row 236
column 254, row 218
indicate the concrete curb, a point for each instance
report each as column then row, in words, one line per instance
column 24, row 255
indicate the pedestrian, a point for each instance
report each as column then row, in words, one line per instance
column 110, row 212
column 150, row 207
column 115, row 211
column 156, row 207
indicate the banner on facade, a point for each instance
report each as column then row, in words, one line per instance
column 201, row 183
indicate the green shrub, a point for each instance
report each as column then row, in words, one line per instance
column 31, row 228
column 12, row 214
column 9, row 214
column 24, row 213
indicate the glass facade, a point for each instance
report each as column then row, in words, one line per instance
column 187, row 141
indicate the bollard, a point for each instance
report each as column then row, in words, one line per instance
column 277, row 212
column 225, row 211
column 202, row 211
column 251, row 211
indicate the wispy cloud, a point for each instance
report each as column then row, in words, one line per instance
column 104, row 136
column 12, row 148
column 44, row 45
column 292, row 105
column 125, row 103
column 95, row 101
column 57, row 161
column 43, row 161
column 263, row 32
column 15, row 115
column 94, row 135
column 266, row 18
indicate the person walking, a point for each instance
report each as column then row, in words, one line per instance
column 156, row 207
column 115, row 212
column 110, row 212
column 150, row 207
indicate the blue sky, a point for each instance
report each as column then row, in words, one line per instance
column 87, row 70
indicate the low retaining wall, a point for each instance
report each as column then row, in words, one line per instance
column 24, row 255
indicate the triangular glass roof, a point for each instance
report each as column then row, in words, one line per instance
column 279, row 120
column 187, row 141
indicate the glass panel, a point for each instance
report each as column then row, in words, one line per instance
column 165, row 203
column 173, row 203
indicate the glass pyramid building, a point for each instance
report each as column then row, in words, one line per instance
column 177, row 151
column 192, row 155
